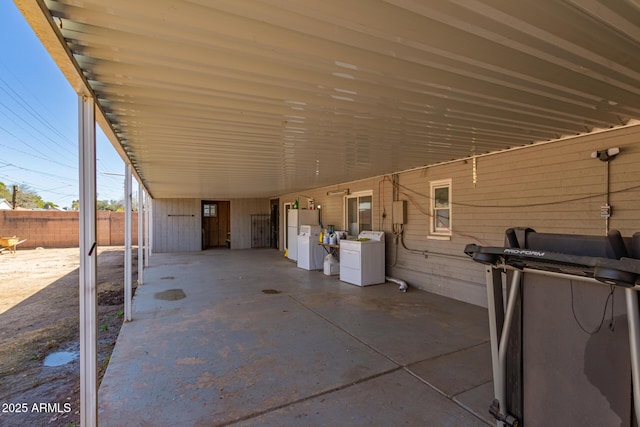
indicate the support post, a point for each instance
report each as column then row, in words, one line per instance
column 140, row 234
column 633, row 318
column 14, row 198
column 147, row 219
column 88, row 277
column 128, row 293
column 150, row 226
column 514, row 294
column 495, row 308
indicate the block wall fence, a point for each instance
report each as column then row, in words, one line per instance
column 61, row 229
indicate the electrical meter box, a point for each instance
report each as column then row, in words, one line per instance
column 399, row 212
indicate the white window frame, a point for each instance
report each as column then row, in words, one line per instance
column 436, row 232
column 345, row 207
column 209, row 210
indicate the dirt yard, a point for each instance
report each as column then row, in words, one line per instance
column 39, row 315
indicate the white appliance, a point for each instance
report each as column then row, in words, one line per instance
column 362, row 263
column 331, row 265
column 310, row 253
column 296, row 218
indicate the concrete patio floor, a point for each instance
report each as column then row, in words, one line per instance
column 209, row 347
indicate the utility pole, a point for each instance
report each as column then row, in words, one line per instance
column 14, row 198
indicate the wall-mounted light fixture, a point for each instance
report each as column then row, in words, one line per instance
column 343, row 192
column 606, row 155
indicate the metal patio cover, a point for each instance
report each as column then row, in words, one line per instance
column 246, row 98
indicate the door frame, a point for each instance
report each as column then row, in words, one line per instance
column 204, row 202
column 275, row 223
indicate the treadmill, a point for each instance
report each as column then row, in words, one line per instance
column 565, row 347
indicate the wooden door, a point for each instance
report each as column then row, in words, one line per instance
column 215, row 223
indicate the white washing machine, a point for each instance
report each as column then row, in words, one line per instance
column 310, row 253
column 362, row 262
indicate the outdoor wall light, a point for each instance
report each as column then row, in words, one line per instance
column 606, row 155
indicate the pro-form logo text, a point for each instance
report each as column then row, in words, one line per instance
column 523, row 252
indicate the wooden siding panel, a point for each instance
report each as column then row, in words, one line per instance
column 555, row 188
column 176, row 225
column 241, row 211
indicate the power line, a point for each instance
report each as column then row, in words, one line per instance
column 40, row 172
column 30, row 185
column 30, row 154
column 101, row 185
column 29, row 108
column 19, row 117
column 25, row 114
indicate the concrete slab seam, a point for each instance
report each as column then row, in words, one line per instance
column 310, row 397
column 451, row 353
column 470, row 388
column 335, row 325
column 400, row 365
column 441, row 392
column 468, row 409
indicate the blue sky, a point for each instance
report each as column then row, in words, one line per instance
column 39, row 121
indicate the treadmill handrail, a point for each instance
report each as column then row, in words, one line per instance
column 518, row 258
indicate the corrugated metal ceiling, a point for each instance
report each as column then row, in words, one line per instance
column 246, row 98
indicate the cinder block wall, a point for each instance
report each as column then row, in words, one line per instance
column 53, row 229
